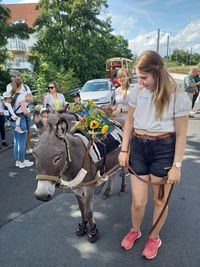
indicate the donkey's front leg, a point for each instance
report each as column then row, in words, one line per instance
column 93, row 233
column 123, row 174
column 82, row 227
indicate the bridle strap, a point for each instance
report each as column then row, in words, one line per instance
column 46, row 177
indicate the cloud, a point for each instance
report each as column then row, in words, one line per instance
column 28, row 1
column 186, row 39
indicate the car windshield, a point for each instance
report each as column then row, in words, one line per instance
column 95, row 86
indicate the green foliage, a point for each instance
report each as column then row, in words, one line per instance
column 181, row 57
column 4, row 80
column 74, row 39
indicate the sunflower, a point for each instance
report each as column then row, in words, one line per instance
column 94, row 124
column 104, row 129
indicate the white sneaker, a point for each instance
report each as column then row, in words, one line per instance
column 21, row 165
column 17, row 163
column 29, row 151
column 28, row 163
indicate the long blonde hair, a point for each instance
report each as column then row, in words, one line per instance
column 119, row 75
column 151, row 62
column 14, row 88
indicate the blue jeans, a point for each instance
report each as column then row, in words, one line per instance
column 19, row 140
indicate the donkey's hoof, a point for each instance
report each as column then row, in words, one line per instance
column 81, row 230
column 93, row 236
column 106, row 194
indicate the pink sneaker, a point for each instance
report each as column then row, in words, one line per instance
column 129, row 239
column 151, row 248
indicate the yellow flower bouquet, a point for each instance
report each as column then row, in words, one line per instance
column 93, row 121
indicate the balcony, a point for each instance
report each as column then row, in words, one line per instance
column 19, row 65
column 16, row 45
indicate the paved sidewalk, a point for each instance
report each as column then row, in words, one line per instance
column 9, row 138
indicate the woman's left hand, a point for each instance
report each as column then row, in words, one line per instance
column 174, row 175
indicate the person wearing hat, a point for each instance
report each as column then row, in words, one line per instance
column 21, row 110
column 77, row 97
column 44, row 115
column 9, row 112
column 16, row 77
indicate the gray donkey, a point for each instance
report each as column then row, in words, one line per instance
column 60, row 153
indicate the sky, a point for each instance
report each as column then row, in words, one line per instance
column 138, row 21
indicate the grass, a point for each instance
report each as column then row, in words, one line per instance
column 180, row 69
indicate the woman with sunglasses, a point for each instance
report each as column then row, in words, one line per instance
column 53, row 99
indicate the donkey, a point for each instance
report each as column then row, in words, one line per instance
column 60, row 153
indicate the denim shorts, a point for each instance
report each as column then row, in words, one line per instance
column 152, row 156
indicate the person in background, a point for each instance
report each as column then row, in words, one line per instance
column 2, row 124
column 192, row 86
column 9, row 112
column 16, row 77
column 54, row 100
column 77, row 97
column 121, row 96
column 156, row 127
column 44, row 115
column 21, row 111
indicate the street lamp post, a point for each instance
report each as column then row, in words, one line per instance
column 158, row 41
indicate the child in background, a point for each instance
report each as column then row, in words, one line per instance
column 7, row 99
column 44, row 115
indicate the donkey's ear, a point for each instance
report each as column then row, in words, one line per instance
column 61, row 128
column 49, row 108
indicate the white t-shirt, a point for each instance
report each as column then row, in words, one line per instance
column 122, row 102
column 144, row 114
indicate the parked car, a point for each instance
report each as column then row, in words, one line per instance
column 101, row 91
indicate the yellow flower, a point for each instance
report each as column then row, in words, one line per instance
column 90, row 103
column 94, row 124
column 104, row 129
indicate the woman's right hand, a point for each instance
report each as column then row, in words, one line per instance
column 123, row 159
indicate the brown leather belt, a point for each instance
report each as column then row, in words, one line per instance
column 150, row 137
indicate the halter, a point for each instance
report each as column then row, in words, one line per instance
column 53, row 178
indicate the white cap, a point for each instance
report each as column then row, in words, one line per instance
column 6, row 94
column 42, row 110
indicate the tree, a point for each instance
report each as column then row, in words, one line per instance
column 10, row 30
column 73, row 36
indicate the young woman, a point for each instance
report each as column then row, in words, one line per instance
column 21, row 110
column 121, row 95
column 157, row 123
column 55, row 100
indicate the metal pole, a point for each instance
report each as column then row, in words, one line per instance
column 190, row 56
column 158, row 41
column 167, row 50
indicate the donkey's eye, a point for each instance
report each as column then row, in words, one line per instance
column 57, row 159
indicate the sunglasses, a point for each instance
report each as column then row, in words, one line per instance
column 50, row 87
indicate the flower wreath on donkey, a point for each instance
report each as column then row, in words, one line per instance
column 92, row 121
column 100, row 134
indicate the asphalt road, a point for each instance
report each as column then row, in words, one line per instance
column 42, row 234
